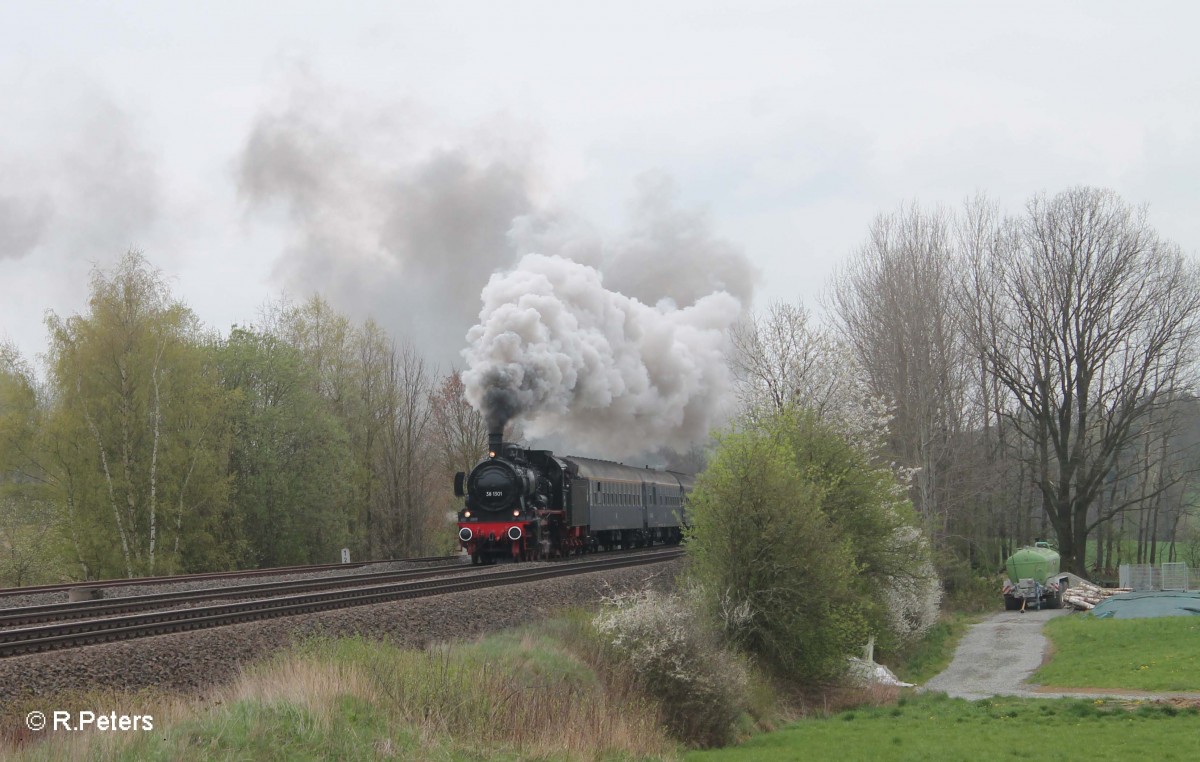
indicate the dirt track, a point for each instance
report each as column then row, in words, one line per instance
column 996, row 656
column 999, row 654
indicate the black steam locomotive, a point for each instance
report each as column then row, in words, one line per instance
column 531, row 504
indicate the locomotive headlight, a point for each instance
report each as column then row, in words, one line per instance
column 516, row 513
column 466, row 514
column 491, row 453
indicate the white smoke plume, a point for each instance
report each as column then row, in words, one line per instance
column 559, row 352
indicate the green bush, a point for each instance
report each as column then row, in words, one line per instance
column 803, row 548
column 773, row 575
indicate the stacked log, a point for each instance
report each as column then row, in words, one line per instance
column 1084, row 595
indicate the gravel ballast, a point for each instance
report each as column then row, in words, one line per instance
column 192, row 661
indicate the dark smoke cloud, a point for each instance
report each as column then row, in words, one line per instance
column 384, row 222
column 392, row 215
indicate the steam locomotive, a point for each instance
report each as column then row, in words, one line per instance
column 531, row 504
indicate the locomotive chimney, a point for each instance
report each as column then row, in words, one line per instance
column 495, row 442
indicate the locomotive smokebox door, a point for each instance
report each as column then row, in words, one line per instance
column 459, row 478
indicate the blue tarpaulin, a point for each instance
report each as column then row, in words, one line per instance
column 1148, row 605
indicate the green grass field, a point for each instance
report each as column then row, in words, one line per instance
column 933, row 727
column 1130, row 654
column 1182, row 551
column 1139, row 654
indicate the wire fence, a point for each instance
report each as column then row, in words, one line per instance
column 1174, row 576
column 1168, row 576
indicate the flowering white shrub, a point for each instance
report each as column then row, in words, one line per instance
column 781, row 361
column 677, row 659
column 914, row 599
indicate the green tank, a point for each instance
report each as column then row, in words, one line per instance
column 1033, row 579
column 1037, row 562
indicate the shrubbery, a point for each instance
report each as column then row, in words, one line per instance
column 674, row 657
column 804, row 548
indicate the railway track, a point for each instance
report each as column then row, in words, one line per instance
column 54, row 612
column 171, row 579
column 109, row 628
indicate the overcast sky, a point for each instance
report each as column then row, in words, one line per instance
column 392, row 154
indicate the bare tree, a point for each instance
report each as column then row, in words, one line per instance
column 459, row 430
column 1089, row 321
column 893, row 303
column 409, row 482
column 781, row 361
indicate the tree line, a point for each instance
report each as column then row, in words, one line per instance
column 1029, row 375
column 1025, row 375
column 154, row 445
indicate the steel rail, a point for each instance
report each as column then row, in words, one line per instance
column 169, row 579
column 54, row 612
column 74, row 634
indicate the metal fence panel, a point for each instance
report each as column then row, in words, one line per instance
column 1174, row 576
column 1137, row 576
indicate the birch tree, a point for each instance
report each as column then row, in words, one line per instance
column 138, row 414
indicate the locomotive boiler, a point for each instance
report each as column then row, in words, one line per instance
column 525, row 504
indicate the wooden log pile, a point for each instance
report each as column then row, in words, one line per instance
column 1084, row 595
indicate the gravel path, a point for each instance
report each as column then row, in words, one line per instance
column 998, row 655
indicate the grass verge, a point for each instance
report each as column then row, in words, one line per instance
column 1130, row 654
column 932, row 654
column 934, row 727
column 518, row 695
